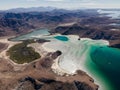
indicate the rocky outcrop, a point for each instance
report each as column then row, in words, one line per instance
column 42, row 40
column 115, row 43
column 56, row 54
column 30, row 83
column 82, row 86
column 48, row 60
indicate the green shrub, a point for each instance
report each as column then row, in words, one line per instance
column 20, row 53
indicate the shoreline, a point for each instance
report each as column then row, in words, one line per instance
column 32, row 30
column 58, row 70
column 44, row 45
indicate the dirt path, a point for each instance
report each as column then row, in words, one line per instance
column 7, row 44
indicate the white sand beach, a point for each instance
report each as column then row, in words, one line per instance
column 74, row 53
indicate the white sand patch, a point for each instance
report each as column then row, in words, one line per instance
column 74, row 53
column 47, row 48
column 38, row 48
column 67, row 24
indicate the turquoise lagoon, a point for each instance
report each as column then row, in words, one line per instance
column 62, row 38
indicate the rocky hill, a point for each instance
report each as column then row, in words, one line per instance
column 19, row 23
column 88, row 32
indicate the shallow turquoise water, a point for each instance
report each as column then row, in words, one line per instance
column 31, row 35
column 108, row 60
column 62, row 38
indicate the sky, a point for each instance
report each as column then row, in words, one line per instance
column 67, row 4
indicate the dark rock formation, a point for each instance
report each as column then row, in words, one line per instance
column 48, row 60
column 56, row 54
column 115, row 44
column 82, row 86
column 45, row 80
column 88, row 32
column 30, row 83
column 42, row 40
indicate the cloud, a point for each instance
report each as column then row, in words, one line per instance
column 71, row 0
column 55, row 0
column 48, row 0
column 32, row 0
column 80, row 1
column 84, row 1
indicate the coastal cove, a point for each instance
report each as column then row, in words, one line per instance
column 31, row 35
column 91, row 56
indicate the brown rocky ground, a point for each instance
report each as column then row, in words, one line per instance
column 3, row 46
column 38, row 75
column 115, row 43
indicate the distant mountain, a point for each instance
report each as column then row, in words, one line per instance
column 31, row 9
column 86, row 32
column 19, row 23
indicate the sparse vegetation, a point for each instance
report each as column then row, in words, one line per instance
column 20, row 53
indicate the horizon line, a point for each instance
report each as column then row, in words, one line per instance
column 61, row 8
